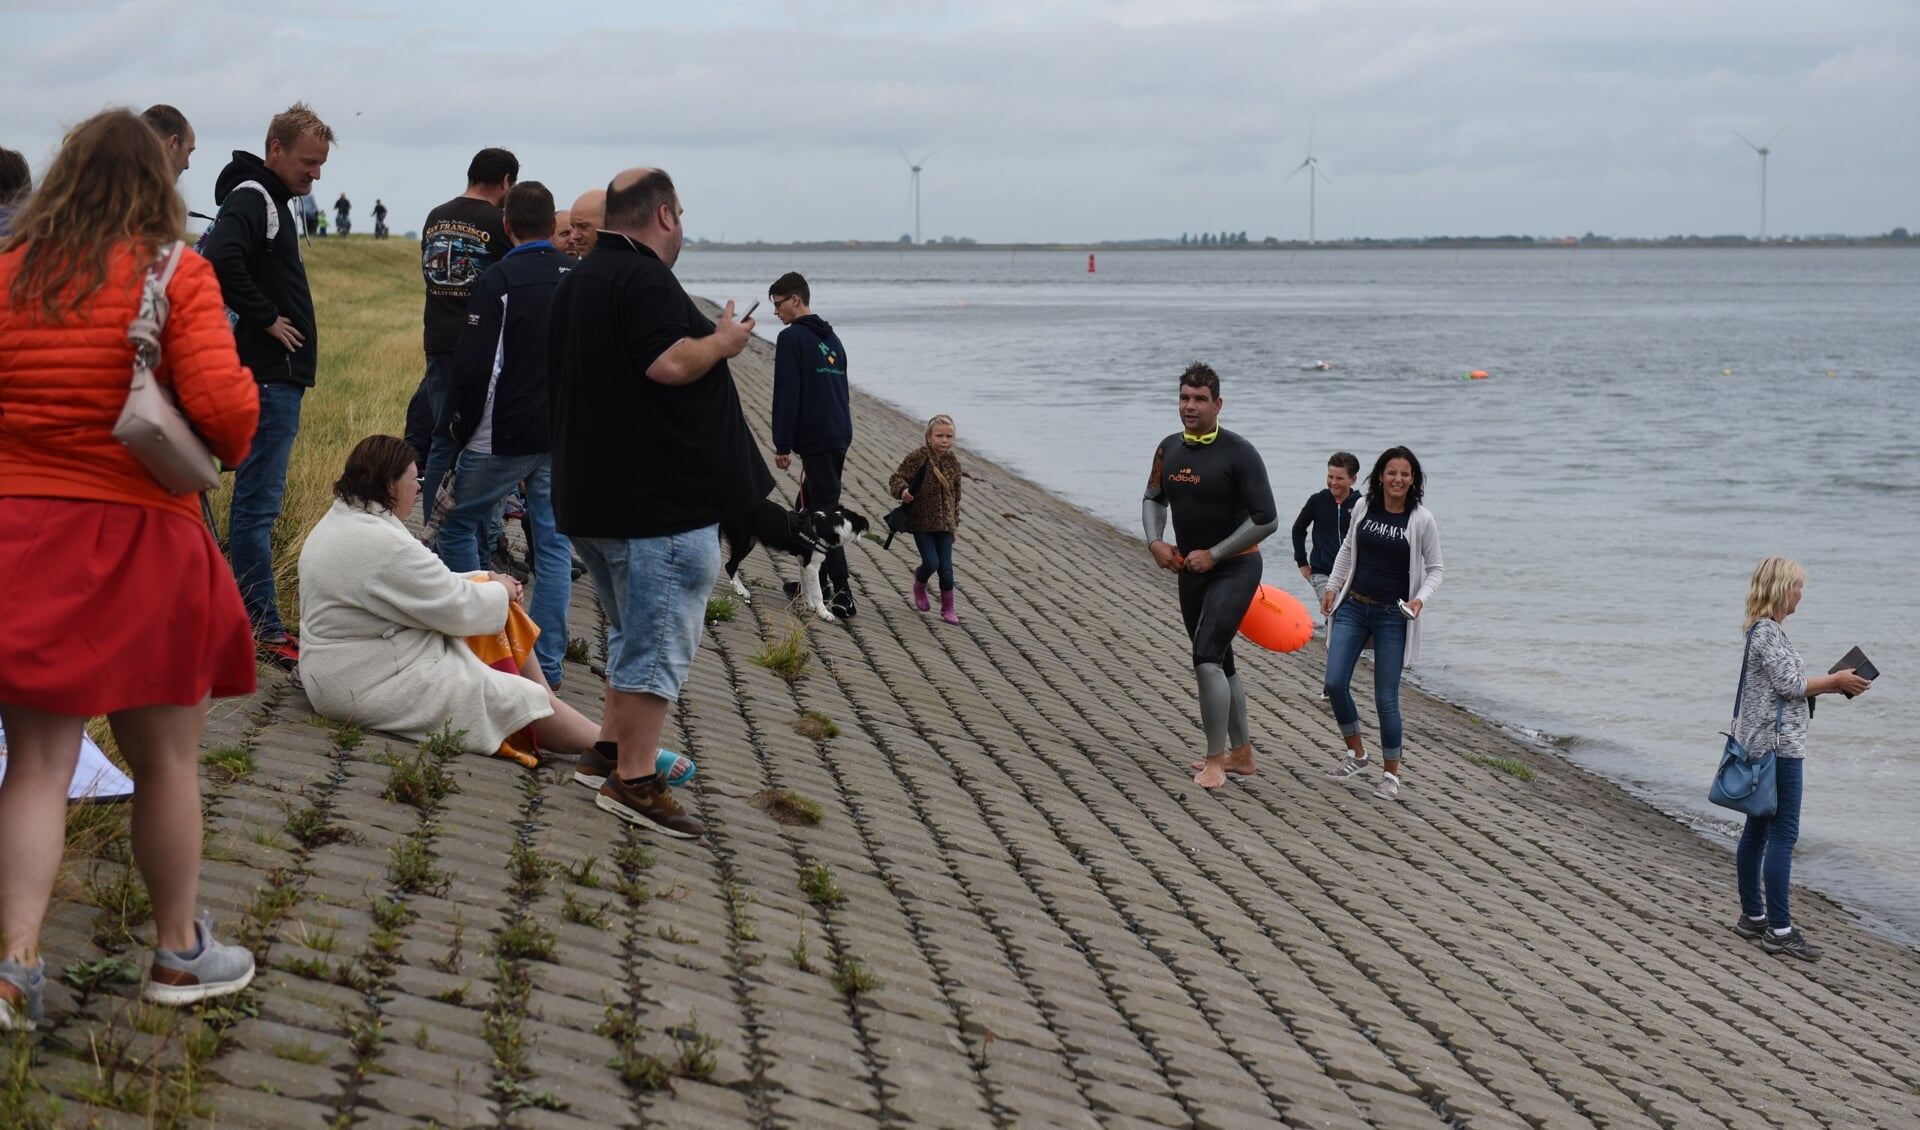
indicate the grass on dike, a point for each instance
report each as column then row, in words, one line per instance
column 367, row 296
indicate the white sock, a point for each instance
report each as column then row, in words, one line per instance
column 1779, row 933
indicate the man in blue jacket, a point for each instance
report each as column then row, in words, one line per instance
column 497, row 409
column 812, row 414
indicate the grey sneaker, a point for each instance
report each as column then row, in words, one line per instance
column 1794, row 944
column 220, row 969
column 1388, row 788
column 1349, row 767
column 20, row 990
column 1752, row 929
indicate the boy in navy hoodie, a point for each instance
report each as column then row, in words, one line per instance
column 1326, row 515
column 812, row 414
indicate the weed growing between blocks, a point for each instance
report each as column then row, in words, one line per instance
column 521, row 941
column 422, row 781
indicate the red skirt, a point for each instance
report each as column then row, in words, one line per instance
column 107, row 606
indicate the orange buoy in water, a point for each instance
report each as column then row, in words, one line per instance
column 1089, row 263
column 1477, row 375
column 1276, row 621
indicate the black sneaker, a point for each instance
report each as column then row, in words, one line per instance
column 648, row 803
column 842, row 603
column 1749, row 928
column 1793, row 944
column 504, row 562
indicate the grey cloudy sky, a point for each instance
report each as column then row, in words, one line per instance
column 1066, row 120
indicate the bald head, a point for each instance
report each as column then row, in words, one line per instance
column 563, row 230
column 642, row 204
column 588, row 216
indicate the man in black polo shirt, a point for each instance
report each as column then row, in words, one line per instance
column 650, row 452
column 1215, row 483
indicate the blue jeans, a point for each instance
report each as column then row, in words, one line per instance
column 654, row 592
column 430, row 403
column 259, row 483
column 936, row 556
column 1771, row 838
column 1354, row 623
column 480, row 484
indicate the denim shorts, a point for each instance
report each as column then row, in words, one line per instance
column 654, row 592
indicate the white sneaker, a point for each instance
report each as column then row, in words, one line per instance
column 1349, row 767
column 1388, row 788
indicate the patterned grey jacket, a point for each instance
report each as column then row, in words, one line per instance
column 1774, row 673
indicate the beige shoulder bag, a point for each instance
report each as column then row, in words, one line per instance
column 152, row 425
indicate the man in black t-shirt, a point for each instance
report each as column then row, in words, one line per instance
column 650, row 452
column 460, row 240
column 1215, row 484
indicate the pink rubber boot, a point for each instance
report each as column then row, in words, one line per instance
column 946, row 608
column 920, row 596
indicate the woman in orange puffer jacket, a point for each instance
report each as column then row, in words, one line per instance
column 114, row 598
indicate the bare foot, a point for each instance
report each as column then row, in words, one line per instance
column 1239, row 762
column 1213, row 772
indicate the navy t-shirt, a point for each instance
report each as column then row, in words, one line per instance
column 461, row 239
column 1381, row 556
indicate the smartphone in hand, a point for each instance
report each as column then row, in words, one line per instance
column 749, row 313
column 1406, row 609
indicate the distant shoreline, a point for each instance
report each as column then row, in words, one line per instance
column 1436, row 244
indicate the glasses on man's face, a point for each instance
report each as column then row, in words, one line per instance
column 778, row 302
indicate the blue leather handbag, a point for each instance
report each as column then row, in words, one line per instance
column 1745, row 781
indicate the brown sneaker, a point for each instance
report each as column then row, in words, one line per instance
column 593, row 768
column 648, row 803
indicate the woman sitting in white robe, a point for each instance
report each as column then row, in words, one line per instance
column 382, row 622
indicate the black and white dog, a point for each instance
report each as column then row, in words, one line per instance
column 805, row 534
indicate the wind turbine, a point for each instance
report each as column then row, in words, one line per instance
column 1763, row 150
column 1312, row 168
column 914, row 187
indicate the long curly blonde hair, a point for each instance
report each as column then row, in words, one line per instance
column 109, row 185
column 1773, row 581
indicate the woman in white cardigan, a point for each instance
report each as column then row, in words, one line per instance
column 382, row 621
column 1386, row 572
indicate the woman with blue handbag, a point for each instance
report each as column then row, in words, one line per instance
column 1776, row 718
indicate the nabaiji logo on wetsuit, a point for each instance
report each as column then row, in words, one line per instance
column 1185, row 475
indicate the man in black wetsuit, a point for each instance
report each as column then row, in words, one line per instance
column 1216, row 486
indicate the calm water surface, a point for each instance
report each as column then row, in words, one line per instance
column 1655, row 422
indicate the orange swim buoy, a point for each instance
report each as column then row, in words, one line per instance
column 1276, row 621
column 1477, row 375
